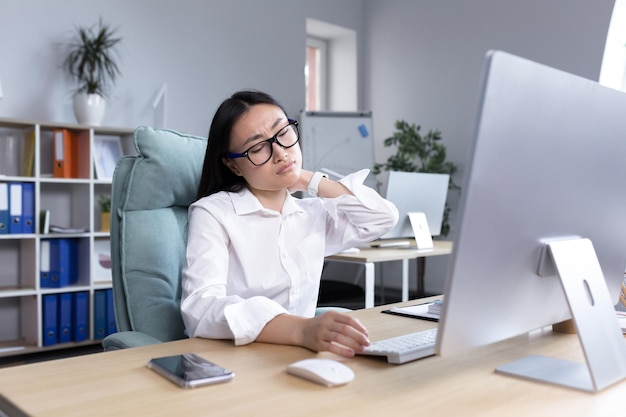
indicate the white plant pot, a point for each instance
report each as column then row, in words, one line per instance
column 89, row 109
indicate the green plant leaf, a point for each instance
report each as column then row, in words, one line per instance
column 417, row 152
column 92, row 58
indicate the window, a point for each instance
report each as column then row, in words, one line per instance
column 331, row 67
column 315, row 74
column 613, row 71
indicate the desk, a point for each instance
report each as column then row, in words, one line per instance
column 118, row 383
column 368, row 256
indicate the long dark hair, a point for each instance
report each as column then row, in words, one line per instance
column 215, row 175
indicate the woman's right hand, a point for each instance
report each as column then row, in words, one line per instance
column 335, row 332
column 332, row 331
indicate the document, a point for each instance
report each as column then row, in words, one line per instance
column 424, row 311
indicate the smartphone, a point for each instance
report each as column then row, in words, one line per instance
column 189, row 370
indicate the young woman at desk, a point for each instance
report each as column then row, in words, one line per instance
column 255, row 253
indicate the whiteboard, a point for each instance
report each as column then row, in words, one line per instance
column 338, row 143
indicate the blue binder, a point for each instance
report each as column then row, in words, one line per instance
column 4, row 208
column 65, row 317
column 99, row 314
column 111, row 327
column 45, row 276
column 50, row 252
column 67, row 261
column 50, row 319
column 15, row 208
column 80, row 316
column 28, row 207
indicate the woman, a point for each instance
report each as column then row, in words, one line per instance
column 255, row 253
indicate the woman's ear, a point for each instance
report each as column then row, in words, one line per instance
column 232, row 166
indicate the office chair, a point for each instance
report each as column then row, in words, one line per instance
column 150, row 196
column 151, row 193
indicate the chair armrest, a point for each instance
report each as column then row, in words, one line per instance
column 130, row 339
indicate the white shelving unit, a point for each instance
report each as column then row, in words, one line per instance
column 73, row 202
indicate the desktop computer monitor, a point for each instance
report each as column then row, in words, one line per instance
column 416, row 192
column 548, row 164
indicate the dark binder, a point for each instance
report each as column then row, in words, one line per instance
column 50, row 278
column 65, row 317
column 28, row 207
column 68, row 261
column 111, row 327
column 99, row 314
column 45, row 276
column 64, row 158
column 50, row 319
column 15, row 208
column 4, row 208
column 80, row 316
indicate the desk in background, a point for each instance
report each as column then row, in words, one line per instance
column 118, row 383
column 368, row 256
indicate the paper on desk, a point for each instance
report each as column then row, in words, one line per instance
column 419, row 311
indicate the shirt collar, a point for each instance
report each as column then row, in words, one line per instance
column 244, row 202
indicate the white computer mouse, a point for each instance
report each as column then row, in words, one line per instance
column 322, row 371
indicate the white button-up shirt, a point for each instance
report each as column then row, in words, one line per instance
column 246, row 264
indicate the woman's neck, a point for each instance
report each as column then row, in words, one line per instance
column 272, row 200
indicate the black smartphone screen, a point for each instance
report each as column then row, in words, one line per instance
column 190, row 370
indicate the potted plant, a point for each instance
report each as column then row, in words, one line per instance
column 92, row 64
column 105, row 212
column 419, row 153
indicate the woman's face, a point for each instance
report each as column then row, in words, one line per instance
column 259, row 123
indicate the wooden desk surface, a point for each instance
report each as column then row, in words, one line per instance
column 374, row 254
column 118, row 383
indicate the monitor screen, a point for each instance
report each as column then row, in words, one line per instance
column 416, row 192
column 547, row 162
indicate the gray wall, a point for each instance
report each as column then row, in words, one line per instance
column 419, row 60
column 425, row 59
column 203, row 49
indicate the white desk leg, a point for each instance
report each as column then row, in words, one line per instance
column 370, row 280
column 405, row 280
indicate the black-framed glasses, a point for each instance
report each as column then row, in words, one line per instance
column 261, row 152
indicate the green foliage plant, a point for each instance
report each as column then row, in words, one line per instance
column 92, row 58
column 105, row 203
column 417, row 152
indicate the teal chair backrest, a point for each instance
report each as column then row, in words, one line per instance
column 150, row 196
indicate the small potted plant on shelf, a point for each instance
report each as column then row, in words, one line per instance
column 419, row 153
column 105, row 212
column 92, row 64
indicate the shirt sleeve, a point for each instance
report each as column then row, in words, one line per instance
column 357, row 219
column 207, row 310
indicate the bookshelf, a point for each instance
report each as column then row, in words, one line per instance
column 28, row 152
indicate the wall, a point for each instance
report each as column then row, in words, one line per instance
column 418, row 60
column 203, row 49
column 425, row 60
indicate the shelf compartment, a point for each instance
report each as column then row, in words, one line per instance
column 68, row 203
column 18, row 269
column 18, row 315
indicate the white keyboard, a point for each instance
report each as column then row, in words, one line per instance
column 405, row 348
